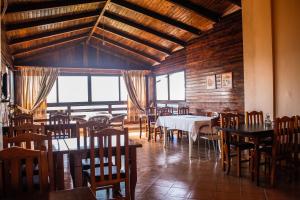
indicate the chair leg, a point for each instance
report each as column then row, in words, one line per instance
column 273, row 173
column 238, row 162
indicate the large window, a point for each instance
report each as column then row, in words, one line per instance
column 70, row 89
column 171, row 86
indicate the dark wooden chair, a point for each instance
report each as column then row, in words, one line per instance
column 18, row 180
column 254, row 117
column 160, row 111
column 59, row 118
column 183, row 111
column 21, row 119
column 26, row 128
column 109, row 146
column 61, row 131
column 151, row 117
column 100, row 118
column 231, row 144
column 117, row 121
column 34, row 141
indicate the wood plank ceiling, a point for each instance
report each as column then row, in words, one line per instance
column 147, row 30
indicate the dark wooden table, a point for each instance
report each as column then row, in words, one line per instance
column 74, row 194
column 77, row 153
column 257, row 133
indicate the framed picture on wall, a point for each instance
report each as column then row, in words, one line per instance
column 227, row 80
column 211, row 82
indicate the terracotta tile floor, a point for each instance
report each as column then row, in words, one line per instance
column 170, row 174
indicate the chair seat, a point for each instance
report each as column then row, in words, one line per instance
column 242, row 145
column 87, row 173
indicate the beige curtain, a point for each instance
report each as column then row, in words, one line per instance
column 135, row 82
column 33, row 87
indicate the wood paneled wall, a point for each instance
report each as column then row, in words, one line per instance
column 217, row 51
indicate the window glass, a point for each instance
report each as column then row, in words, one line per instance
column 162, row 87
column 124, row 93
column 177, row 86
column 105, row 88
column 51, row 98
column 72, row 89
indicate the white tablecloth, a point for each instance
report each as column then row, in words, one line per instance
column 189, row 123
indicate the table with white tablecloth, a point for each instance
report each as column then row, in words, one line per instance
column 189, row 123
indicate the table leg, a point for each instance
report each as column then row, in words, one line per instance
column 256, row 160
column 59, row 163
column 190, row 145
column 78, row 182
column 140, row 127
column 149, row 134
column 165, row 132
column 133, row 172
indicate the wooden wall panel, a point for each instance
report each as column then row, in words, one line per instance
column 217, row 51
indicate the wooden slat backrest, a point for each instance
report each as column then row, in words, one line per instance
column 13, row 179
column 164, row 110
column 60, row 131
column 283, row 136
column 34, row 141
column 183, row 110
column 26, row 128
column 59, row 118
column 83, row 130
column 21, row 119
column 228, row 120
column 112, row 153
column 254, row 117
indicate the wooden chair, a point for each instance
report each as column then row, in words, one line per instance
column 34, row 141
column 296, row 145
column 117, row 121
column 100, row 118
column 160, row 111
column 22, row 119
column 281, row 150
column 183, row 110
column 209, row 133
column 109, row 145
column 151, row 115
column 17, row 179
column 60, row 131
column 232, row 143
column 59, row 118
column 26, row 128
column 254, row 117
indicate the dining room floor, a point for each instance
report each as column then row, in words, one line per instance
column 169, row 174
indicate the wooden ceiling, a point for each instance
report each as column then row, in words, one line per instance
column 148, row 30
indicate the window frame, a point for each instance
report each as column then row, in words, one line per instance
column 168, row 81
column 89, row 87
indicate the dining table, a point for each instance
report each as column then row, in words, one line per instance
column 257, row 134
column 188, row 123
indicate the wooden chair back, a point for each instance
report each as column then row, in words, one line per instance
column 254, row 118
column 117, row 121
column 22, row 119
column 33, row 141
column 183, row 110
column 112, row 144
column 284, row 133
column 60, row 131
column 26, row 128
column 17, row 178
column 59, row 118
column 83, row 131
column 100, row 119
column 166, row 109
column 229, row 120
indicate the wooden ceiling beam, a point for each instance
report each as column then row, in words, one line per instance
column 128, row 48
column 98, row 20
column 30, row 6
column 155, row 15
column 50, row 34
column 144, row 28
column 16, row 26
column 62, row 41
column 134, row 38
column 110, row 52
column 236, row 2
column 200, row 10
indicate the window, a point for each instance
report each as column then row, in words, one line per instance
column 171, row 86
column 72, row 89
column 51, row 98
column 105, row 88
column 77, row 89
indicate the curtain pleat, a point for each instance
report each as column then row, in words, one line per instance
column 33, row 87
column 135, row 82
